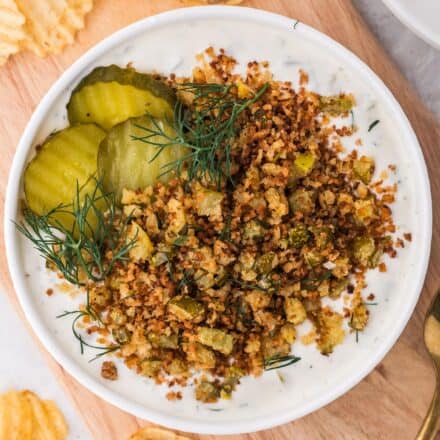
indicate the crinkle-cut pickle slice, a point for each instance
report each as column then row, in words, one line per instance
column 110, row 95
column 124, row 162
column 66, row 158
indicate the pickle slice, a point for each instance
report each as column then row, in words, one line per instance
column 110, row 95
column 125, row 162
column 66, row 159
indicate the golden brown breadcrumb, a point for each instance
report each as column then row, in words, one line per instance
column 221, row 278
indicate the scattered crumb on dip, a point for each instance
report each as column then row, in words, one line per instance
column 201, row 270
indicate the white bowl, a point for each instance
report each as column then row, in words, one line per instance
column 421, row 16
column 316, row 380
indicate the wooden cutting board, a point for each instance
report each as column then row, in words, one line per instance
column 390, row 403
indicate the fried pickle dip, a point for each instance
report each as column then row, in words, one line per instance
column 211, row 216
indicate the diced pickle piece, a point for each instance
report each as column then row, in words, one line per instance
column 331, row 333
column 243, row 90
column 110, row 95
column 186, row 308
column 288, row 332
column 375, row 258
column 177, row 367
column 302, row 200
column 208, row 202
column 117, row 316
column 364, row 211
column 216, row 339
column 337, row 287
column 295, row 311
column 341, row 268
column 252, row 230
column 298, row 236
column 121, row 335
column 150, row 368
column 322, row 235
column 124, row 161
column 359, row 317
column 303, row 165
column 363, row 169
column 100, row 296
column 363, row 250
column 143, row 247
column 313, row 258
column 206, row 280
column 336, row 105
column 266, row 262
column 207, row 392
column 48, row 185
column 275, row 346
column 200, row 355
column 164, row 341
column 159, row 258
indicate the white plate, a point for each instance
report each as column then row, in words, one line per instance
column 421, row 16
column 166, row 43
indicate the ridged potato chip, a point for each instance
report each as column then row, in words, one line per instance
column 11, row 29
column 24, row 416
column 50, row 423
column 52, row 24
column 150, row 433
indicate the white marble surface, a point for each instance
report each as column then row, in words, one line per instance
column 418, row 61
column 23, row 365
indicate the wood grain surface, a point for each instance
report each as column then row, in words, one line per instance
column 390, row 403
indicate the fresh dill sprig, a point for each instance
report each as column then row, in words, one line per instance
column 373, row 124
column 207, row 130
column 94, row 316
column 80, row 249
column 352, row 120
column 247, row 285
column 276, row 361
column 180, row 241
column 225, row 233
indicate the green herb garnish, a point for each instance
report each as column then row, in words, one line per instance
column 373, row 124
column 275, row 362
column 352, row 120
column 225, row 233
column 81, row 249
column 207, row 129
column 180, row 241
column 94, row 316
column 247, row 285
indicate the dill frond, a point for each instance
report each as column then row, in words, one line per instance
column 80, row 251
column 275, row 362
column 94, row 316
column 207, row 130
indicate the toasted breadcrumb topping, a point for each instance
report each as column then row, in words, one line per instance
column 220, row 279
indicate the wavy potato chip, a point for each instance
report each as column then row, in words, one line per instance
column 11, row 29
column 149, row 433
column 24, row 416
column 52, row 24
column 49, row 422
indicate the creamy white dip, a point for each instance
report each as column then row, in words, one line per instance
column 172, row 49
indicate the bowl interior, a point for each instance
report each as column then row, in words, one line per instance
column 168, row 43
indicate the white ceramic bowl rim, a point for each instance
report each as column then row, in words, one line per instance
column 12, row 205
column 415, row 24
